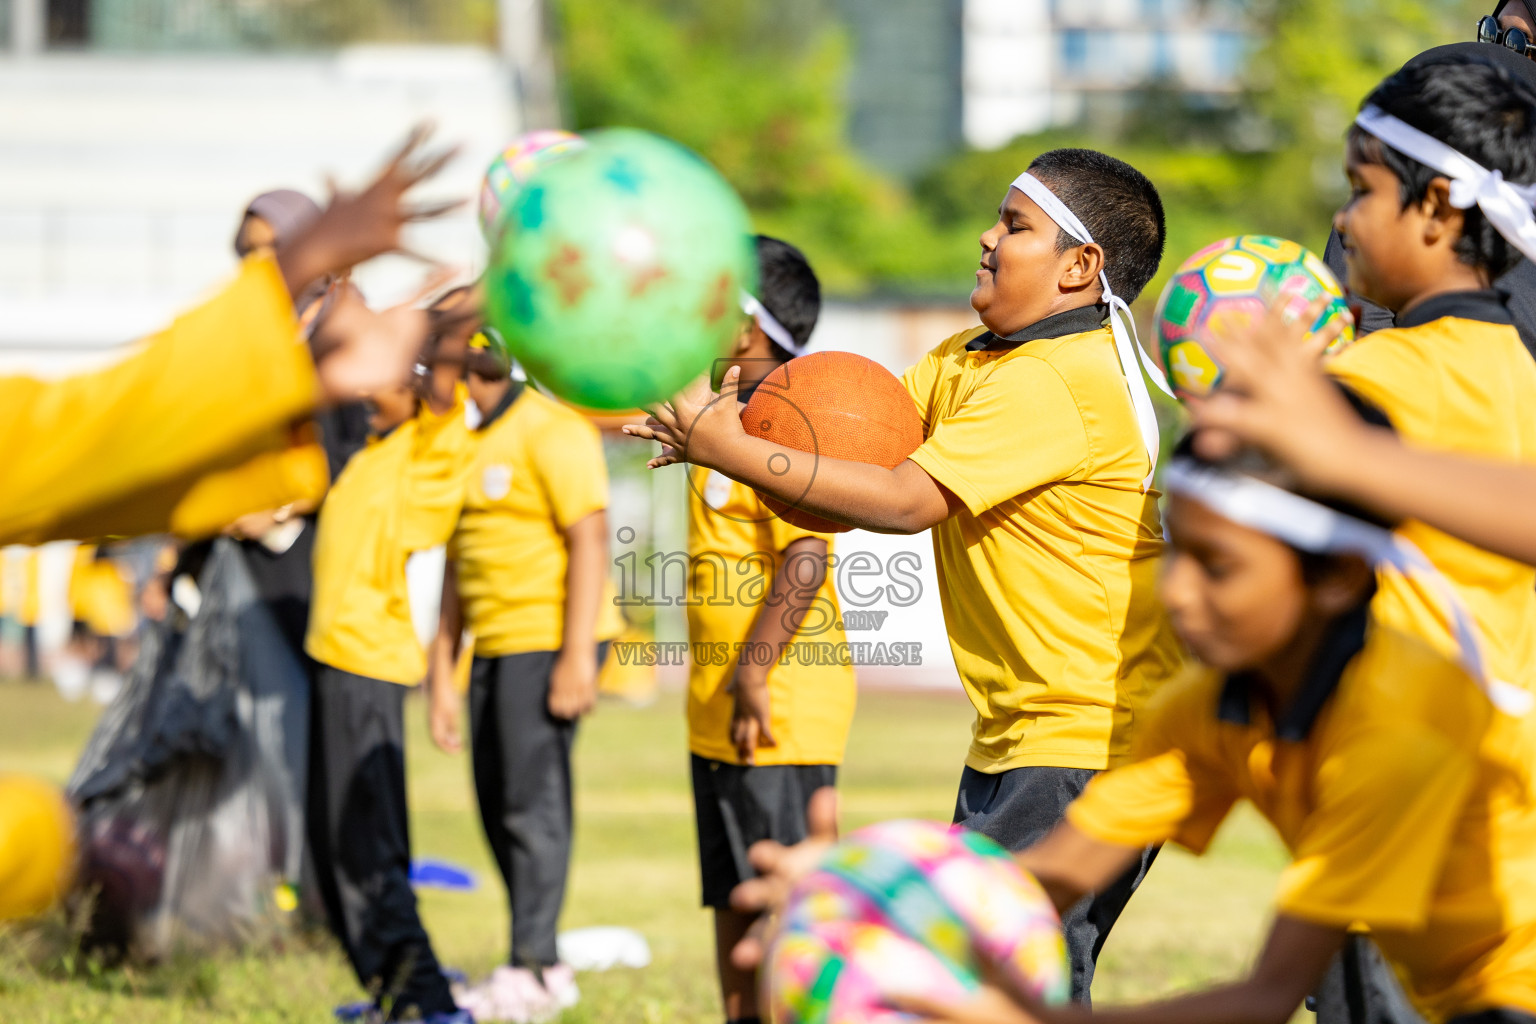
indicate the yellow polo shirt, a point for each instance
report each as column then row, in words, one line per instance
column 1048, row 575
column 538, row 469
column 1407, row 803
column 735, row 552
column 400, row 494
column 1455, row 377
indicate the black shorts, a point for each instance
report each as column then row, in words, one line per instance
column 1496, row 1017
column 737, row 805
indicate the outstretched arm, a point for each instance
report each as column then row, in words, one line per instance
column 228, row 376
column 1276, row 397
column 1293, row 961
column 705, row 429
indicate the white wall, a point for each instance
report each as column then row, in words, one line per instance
column 123, row 178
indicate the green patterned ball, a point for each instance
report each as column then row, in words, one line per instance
column 618, row 274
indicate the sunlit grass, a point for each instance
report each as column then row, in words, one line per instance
column 635, row 866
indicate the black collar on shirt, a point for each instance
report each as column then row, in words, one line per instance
column 514, row 389
column 1057, row 325
column 1343, row 641
column 1485, row 305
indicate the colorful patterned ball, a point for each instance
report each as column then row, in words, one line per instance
column 911, row 907
column 513, row 166
column 618, row 274
column 1233, row 283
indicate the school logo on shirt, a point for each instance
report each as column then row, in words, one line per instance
column 717, row 489
column 496, row 481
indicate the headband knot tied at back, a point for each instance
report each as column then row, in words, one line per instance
column 1507, row 206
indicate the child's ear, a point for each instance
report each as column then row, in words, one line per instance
column 1084, row 269
column 1344, row 586
column 1442, row 220
column 747, row 339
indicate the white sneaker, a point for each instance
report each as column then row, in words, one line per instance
column 560, row 982
column 514, row 994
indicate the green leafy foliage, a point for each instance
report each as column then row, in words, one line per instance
column 758, row 87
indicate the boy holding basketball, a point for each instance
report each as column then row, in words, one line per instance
column 1034, row 477
column 763, row 734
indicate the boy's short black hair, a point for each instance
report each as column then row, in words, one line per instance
column 787, row 288
column 1478, row 109
column 1118, row 205
column 1251, row 463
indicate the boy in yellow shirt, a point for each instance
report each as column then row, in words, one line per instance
column 398, row 495
column 1406, row 797
column 1034, row 477
column 763, row 734
column 527, row 577
column 1453, row 374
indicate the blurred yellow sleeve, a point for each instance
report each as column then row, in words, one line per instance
column 228, row 376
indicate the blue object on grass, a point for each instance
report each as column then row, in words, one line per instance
column 439, row 874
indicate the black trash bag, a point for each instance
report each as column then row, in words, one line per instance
column 191, row 789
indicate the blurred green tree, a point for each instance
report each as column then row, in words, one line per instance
column 757, row 87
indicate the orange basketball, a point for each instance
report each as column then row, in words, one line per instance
column 834, row 405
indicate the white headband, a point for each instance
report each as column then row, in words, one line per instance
column 771, row 326
column 1506, row 205
column 1305, row 524
column 1127, row 345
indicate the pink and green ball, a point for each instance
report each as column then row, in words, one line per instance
column 911, row 907
column 513, row 167
column 1229, row 285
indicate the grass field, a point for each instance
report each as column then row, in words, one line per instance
column 634, row 866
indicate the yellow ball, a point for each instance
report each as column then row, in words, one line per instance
column 37, row 846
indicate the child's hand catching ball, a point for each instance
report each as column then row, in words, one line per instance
column 696, row 425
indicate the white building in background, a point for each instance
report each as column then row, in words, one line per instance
column 130, row 151
column 1029, row 65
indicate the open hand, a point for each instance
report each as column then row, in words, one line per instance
column 358, row 351
column 573, row 684
column 779, row 868
column 357, row 226
column 696, row 424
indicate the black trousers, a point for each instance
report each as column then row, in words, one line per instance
column 361, row 841
column 33, row 667
column 1017, row 809
column 521, row 755
column 1361, row 988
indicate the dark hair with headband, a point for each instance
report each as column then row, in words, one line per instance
column 788, row 289
column 1117, row 204
column 1478, row 109
column 1249, row 462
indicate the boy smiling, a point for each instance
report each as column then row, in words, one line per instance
column 1040, row 442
